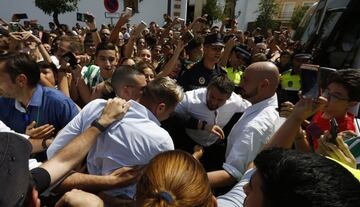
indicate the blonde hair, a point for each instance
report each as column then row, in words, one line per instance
column 174, row 178
column 164, row 90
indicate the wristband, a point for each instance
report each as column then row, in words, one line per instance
column 97, row 125
column 93, row 30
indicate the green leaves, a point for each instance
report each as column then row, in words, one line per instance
column 57, row 6
column 268, row 10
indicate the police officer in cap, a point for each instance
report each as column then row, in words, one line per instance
column 290, row 80
column 239, row 59
column 200, row 74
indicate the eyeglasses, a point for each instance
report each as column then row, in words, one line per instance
column 332, row 97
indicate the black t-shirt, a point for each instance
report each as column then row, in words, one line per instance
column 199, row 76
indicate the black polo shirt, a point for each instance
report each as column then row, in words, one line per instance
column 199, row 76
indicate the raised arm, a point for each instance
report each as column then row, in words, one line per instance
column 227, row 52
column 171, row 64
column 286, row 134
column 94, row 33
column 114, row 36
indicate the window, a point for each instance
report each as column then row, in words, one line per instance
column 288, row 10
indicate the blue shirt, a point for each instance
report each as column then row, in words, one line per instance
column 47, row 106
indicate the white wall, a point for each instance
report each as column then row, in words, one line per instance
column 150, row 10
column 248, row 10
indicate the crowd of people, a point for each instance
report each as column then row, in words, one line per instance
column 173, row 115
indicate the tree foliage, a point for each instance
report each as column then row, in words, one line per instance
column 56, row 7
column 213, row 10
column 297, row 16
column 268, row 9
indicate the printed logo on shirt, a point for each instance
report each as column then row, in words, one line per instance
column 202, row 80
column 290, row 83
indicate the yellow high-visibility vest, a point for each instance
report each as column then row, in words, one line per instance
column 234, row 75
column 290, row 82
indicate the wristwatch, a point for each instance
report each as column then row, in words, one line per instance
column 97, row 125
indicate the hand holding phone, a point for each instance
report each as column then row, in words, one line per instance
column 70, row 58
column 82, row 17
column 14, row 27
column 308, row 77
column 187, row 37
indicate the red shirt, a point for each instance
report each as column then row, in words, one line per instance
column 319, row 124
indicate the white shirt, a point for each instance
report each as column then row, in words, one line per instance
column 194, row 105
column 133, row 140
column 249, row 135
column 55, row 60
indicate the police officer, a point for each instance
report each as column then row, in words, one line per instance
column 238, row 61
column 200, row 74
column 290, row 80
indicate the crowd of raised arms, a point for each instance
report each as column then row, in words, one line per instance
column 178, row 115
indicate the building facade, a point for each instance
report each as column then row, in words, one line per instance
column 287, row 8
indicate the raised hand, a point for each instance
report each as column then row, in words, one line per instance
column 114, row 110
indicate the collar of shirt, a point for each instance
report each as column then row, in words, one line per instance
column 142, row 110
column 36, row 99
column 269, row 102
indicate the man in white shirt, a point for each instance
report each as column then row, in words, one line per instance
column 207, row 111
column 134, row 140
column 254, row 128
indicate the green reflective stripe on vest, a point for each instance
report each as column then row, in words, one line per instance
column 235, row 76
column 290, row 82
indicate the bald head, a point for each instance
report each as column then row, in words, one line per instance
column 265, row 70
column 259, row 82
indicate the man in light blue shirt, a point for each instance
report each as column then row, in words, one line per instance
column 134, row 140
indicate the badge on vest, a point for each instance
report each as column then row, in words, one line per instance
column 290, row 83
column 202, row 80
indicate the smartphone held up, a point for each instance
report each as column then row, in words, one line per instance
column 83, row 17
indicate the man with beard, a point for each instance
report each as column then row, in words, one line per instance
column 252, row 131
column 207, row 111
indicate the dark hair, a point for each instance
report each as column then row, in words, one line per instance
column 223, row 84
column 194, row 43
column 17, row 64
column 124, row 75
column 293, row 178
column 52, row 66
column 349, row 78
column 105, row 46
